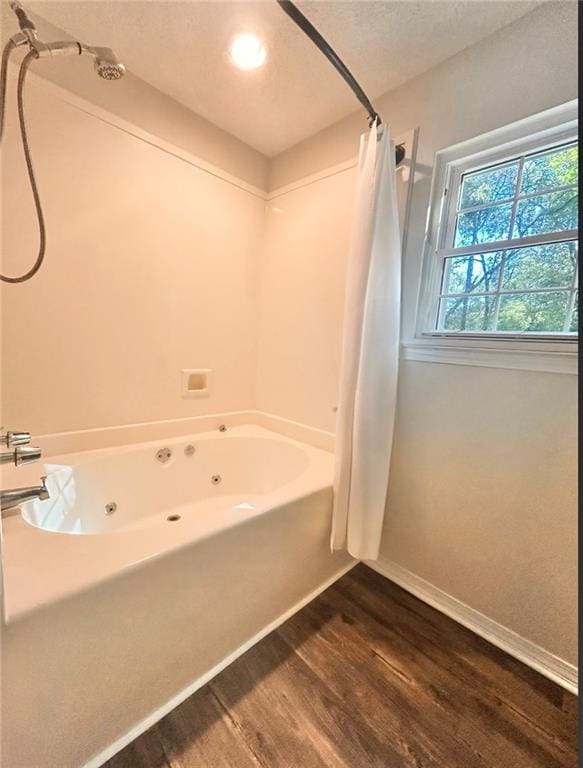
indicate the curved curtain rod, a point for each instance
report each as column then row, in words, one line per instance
column 310, row 30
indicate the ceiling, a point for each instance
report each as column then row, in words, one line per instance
column 181, row 49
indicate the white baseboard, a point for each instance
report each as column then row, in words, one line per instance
column 549, row 665
column 98, row 760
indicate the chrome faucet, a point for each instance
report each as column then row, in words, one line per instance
column 20, row 452
column 12, row 498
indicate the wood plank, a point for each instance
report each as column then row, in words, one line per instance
column 486, row 689
column 291, row 718
column 361, row 681
column 200, row 733
column 145, row 752
column 398, row 705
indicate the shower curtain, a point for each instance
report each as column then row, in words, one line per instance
column 370, row 354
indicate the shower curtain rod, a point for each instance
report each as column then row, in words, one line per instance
column 310, row 30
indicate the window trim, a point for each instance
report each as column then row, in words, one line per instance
column 535, row 133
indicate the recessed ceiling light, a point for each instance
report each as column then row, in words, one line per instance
column 248, row 52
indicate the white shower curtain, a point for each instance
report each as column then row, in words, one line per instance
column 370, row 354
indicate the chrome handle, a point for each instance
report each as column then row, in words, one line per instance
column 22, row 454
column 26, row 454
column 14, row 437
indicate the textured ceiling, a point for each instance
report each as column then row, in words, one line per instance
column 181, row 49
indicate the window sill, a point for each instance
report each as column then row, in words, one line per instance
column 560, row 356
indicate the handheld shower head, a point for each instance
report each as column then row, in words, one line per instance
column 107, row 65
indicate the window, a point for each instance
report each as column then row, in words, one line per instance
column 504, row 249
column 528, row 206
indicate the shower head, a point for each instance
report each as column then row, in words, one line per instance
column 107, row 65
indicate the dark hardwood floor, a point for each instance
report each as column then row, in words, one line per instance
column 367, row 675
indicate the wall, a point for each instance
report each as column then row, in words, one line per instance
column 302, row 300
column 481, row 500
column 142, row 277
column 301, row 293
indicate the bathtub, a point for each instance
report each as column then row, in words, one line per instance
column 149, row 569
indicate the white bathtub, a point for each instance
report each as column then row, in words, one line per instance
column 112, row 618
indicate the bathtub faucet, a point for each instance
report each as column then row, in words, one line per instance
column 12, row 498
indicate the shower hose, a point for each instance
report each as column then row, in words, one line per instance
column 30, row 56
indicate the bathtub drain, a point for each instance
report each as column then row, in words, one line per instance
column 173, row 518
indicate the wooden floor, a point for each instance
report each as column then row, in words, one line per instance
column 367, row 675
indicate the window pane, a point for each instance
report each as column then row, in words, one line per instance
column 553, row 169
column 575, row 316
column 475, row 313
column 489, row 186
column 542, row 266
column 472, row 274
column 554, row 212
column 532, row 312
column 483, row 226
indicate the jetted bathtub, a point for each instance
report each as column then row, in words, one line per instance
column 151, row 567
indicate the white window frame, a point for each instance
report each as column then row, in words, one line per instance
column 546, row 352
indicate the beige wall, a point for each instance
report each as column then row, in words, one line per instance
column 482, row 492
column 150, row 268
column 301, row 300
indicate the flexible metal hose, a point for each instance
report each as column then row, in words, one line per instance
column 26, row 149
column 9, row 47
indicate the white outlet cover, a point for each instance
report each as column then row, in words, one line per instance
column 195, row 382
